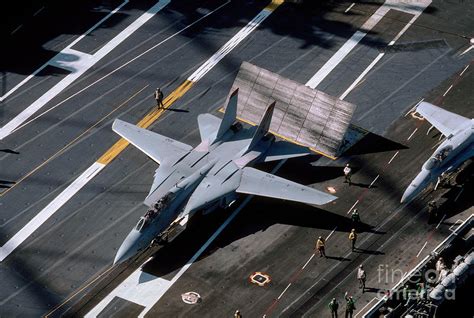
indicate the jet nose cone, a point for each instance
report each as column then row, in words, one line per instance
column 129, row 248
column 408, row 194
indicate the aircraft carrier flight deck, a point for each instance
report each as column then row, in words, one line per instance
column 84, row 134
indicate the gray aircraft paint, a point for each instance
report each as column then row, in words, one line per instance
column 212, row 174
column 456, row 149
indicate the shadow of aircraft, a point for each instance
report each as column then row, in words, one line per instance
column 373, row 143
column 10, row 151
column 258, row 216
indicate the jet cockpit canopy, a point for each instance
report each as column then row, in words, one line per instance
column 438, row 157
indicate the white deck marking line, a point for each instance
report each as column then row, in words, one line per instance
column 38, row 11
column 416, row 12
column 464, row 70
column 415, row 268
column 393, row 157
column 359, row 35
column 422, row 248
column 441, row 221
column 121, row 66
column 307, row 262
column 230, row 45
column 459, row 194
column 447, row 91
column 284, row 291
column 338, row 57
column 13, row 246
column 359, row 78
column 49, row 210
column 467, row 50
column 372, row 183
column 455, row 226
column 414, row 131
column 332, row 232
column 78, row 67
column 350, row 7
column 69, row 46
column 352, row 207
column 14, row 31
column 158, row 294
column 360, row 311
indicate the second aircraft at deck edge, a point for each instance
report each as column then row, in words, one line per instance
column 456, row 149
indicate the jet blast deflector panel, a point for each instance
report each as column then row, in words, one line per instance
column 303, row 115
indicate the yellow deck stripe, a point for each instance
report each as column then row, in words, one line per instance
column 149, row 119
column 274, row 4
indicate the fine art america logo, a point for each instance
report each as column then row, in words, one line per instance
column 416, row 285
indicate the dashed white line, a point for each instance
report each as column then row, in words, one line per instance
column 350, row 7
column 284, row 291
column 332, row 232
column 464, row 70
column 422, row 248
column 307, row 262
column 414, row 131
column 14, row 31
column 393, row 157
column 449, row 88
column 352, row 207
column 467, row 50
column 441, row 221
column 459, row 194
column 38, row 11
column 372, row 183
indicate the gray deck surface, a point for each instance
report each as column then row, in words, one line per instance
column 56, row 265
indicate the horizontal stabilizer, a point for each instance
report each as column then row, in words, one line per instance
column 264, row 184
column 446, row 122
column 284, row 150
column 158, row 147
column 208, row 126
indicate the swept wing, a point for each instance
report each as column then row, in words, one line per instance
column 446, row 122
column 260, row 183
column 158, row 147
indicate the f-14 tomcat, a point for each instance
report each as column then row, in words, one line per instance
column 211, row 175
column 456, row 149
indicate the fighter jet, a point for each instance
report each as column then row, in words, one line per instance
column 456, row 149
column 211, row 175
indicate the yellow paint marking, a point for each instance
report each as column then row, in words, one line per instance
column 149, row 119
column 274, row 4
column 66, row 147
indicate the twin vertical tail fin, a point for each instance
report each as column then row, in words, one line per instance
column 212, row 128
column 263, row 127
column 229, row 116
